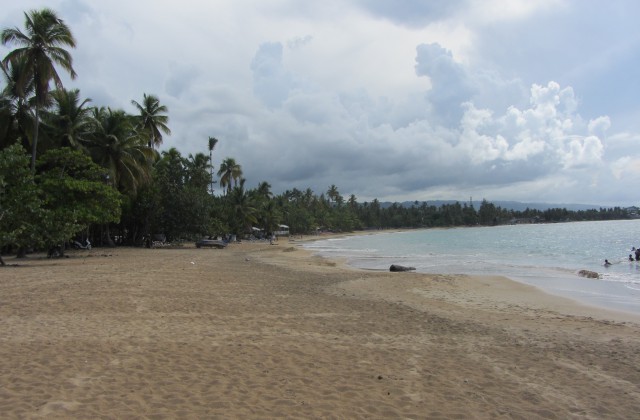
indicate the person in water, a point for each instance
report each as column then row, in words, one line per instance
column 630, row 257
column 607, row 263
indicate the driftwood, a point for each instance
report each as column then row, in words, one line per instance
column 588, row 274
column 396, row 267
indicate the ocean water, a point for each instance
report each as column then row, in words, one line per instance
column 547, row 256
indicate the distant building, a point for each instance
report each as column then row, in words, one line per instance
column 283, row 230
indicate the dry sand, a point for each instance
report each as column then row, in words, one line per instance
column 259, row 331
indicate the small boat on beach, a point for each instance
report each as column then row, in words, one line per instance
column 211, row 243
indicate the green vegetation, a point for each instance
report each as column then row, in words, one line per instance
column 95, row 172
column 39, row 49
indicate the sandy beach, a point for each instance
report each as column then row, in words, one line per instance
column 257, row 331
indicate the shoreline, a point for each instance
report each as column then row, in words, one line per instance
column 569, row 298
column 261, row 331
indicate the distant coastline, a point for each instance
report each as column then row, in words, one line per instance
column 510, row 204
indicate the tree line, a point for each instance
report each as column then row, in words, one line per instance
column 70, row 169
column 424, row 215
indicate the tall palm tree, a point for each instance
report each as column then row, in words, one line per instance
column 151, row 118
column 41, row 48
column 229, row 171
column 120, row 149
column 212, row 144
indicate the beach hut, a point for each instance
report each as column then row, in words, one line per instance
column 283, row 230
column 257, row 232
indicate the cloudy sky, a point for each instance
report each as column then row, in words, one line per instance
column 534, row 101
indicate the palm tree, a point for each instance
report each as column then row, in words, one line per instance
column 264, row 191
column 242, row 207
column 353, row 202
column 15, row 119
column 229, row 171
column 6, row 120
column 334, row 195
column 262, row 197
column 212, row 144
column 151, row 118
column 198, row 168
column 118, row 147
column 307, row 197
column 41, row 48
column 71, row 118
column 270, row 215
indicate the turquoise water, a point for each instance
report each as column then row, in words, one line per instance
column 544, row 255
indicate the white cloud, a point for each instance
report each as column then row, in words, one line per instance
column 386, row 99
column 450, row 85
column 271, row 82
column 583, row 153
column 625, row 168
column 599, row 126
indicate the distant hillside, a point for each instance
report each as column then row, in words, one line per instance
column 510, row 205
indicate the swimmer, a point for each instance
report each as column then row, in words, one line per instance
column 607, row 263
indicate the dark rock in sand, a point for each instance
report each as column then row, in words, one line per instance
column 395, row 267
column 588, row 274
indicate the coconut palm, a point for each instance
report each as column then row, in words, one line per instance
column 198, row 167
column 270, row 215
column 16, row 121
column 41, row 48
column 151, row 118
column 229, row 171
column 308, row 197
column 242, row 207
column 70, row 119
column 6, row 121
column 334, row 195
column 353, row 202
column 120, row 149
column 264, row 191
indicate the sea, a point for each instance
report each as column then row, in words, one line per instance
column 547, row 256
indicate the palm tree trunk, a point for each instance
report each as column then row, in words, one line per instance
column 107, row 235
column 22, row 252
column 35, row 139
column 211, row 168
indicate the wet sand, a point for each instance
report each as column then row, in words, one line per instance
column 260, row 331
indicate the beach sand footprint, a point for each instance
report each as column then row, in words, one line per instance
column 59, row 409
